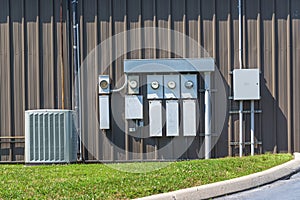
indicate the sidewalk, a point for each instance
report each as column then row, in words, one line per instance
column 234, row 185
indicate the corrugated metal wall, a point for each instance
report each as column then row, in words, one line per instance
column 30, row 61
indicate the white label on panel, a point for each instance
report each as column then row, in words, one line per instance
column 189, row 117
column 104, row 112
column 172, row 118
column 133, row 107
column 155, row 118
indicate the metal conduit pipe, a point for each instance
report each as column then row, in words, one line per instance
column 207, row 102
column 77, row 103
column 241, row 66
column 252, row 128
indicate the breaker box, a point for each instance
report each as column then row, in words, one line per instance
column 170, row 96
column 161, row 103
column 246, row 84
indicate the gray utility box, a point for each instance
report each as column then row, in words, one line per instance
column 246, row 84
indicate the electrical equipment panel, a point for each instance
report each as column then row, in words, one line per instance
column 154, row 86
column 104, row 84
column 104, row 112
column 189, row 86
column 133, row 84
column 171, row 87
column 133, row 107
column 155, row 118
column 172, row 118
column 246, row 84
column 189, row 118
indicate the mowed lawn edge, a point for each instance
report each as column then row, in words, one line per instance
column 103, row 181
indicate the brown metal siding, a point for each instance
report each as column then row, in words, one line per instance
column 30, row 61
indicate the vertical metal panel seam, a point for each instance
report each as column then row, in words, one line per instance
column 289, row 79
column 169, row 30
column 97, row 27
column 229, row 77
column 184, row 29
column 154, row 30
column 244, row 42
column 23, row 62
column 11, row 80
column 113, row 70
column 259, row 64
column 199, row 30
column 53, row 64
column 274, row 87
column 214, row 32
column 38, row 96
column 126, row 135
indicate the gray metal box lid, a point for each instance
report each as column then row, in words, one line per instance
column 169, row 65
column 246, row 84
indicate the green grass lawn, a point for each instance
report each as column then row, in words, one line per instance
column 98, row 181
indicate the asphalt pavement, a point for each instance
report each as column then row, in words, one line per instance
column 284, row 189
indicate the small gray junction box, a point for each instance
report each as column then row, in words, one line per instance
column 246, row 84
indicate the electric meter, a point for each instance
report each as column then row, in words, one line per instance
column 155, row 85
column 103, row 81
column 133, row 84
column 171, row 84
column 189, row 84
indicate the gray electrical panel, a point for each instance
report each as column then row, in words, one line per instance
column 154, row 86
column 189, row 86
column 172, row 118
column 103, row 83
column 171, row 87
column 104, row 111
column 246, row 84
column 133, row 107
column 155, row 118
column 189, row 118
column 133, row 84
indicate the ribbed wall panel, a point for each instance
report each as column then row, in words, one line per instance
column 31, row 61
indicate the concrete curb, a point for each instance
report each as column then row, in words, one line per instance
column 233, row 185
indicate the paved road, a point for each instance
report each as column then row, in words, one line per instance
column 280, row 190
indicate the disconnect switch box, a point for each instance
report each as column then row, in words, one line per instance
column 246, row 84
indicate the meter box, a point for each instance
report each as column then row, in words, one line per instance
column 246, row 84
column 172, row 118
column 133, row 84
column 189, row 86
column 155, row 118
column 104, row 111
column 189, row 118
column 103, row 83
column 133, row 107
column 171, row 87
column 154, row 86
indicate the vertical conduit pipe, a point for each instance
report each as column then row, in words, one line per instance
column 241, row 66
column 207, row 102
column 252, row 128
column 241, row 129
column 77, row 106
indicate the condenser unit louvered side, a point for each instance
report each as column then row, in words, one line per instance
column 50, row 136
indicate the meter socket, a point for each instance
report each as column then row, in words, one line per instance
column 133, row 84
column 104, row 84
